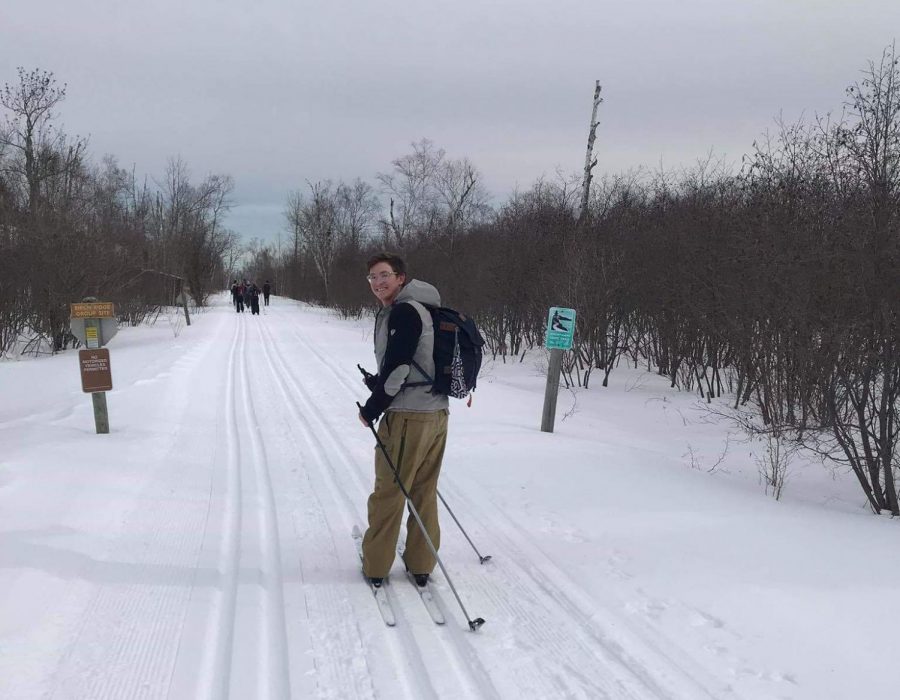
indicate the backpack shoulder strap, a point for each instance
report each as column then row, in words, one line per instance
column 426, row 311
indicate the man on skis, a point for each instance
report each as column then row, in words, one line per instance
column 413, row 426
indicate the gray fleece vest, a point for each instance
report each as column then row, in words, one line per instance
column 411, row 398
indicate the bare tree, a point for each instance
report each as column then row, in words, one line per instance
column 356, row 211
column 187, row 221
column 314, row 222
column 29, row 130
column 430, row 193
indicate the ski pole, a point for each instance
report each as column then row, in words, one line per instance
column 480, row 558
column 478, row 621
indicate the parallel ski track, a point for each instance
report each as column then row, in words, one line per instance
column 326, row 445
column 469, row 667
column 404, row 650
column 583, row 611
column 274, row 679
column 215, row 671
column 402, row 646
column 272, row 674
column 327, row 612
column 532, row 681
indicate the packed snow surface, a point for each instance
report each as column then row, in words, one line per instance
column 202, row 549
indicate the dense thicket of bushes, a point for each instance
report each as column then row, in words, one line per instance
column 778, row 284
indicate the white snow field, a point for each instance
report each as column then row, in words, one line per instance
column 202, row 549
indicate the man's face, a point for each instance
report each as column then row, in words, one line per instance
column 385, row 283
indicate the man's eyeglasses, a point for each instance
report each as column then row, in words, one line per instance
column 380, row 277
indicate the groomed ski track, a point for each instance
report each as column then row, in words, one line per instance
column 259, row 591
column 585, row 651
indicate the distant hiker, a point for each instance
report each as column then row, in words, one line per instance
column 246, row 294
column 254, row 299
column 267, row 289
column 234, row 294
column 414, row 426
column 237, row 295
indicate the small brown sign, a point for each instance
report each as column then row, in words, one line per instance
column 88, row 309
column 95, row 371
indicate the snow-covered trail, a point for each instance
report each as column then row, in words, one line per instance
column 229, row 570
column 530, row 604
column 203, row 549
column 533, row 604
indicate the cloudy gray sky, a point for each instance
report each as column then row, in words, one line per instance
column 277, row 92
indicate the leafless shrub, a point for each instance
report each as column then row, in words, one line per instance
column 775, row 462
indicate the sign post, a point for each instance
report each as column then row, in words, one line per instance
column 96, row 380
column 93, row 323
column 182, row 299
column 559, row 337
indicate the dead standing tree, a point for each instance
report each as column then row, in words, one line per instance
column 580, row 248
column 589, row 160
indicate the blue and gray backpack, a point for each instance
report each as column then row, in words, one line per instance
column 457, row 353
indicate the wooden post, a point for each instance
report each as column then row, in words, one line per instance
column 98, row 398
column 552, row 391
column 187, row 316
column 589, row 161
column 101, row 415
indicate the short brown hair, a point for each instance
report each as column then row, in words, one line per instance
column 395, row 261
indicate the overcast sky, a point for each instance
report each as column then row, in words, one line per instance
column 277, row 92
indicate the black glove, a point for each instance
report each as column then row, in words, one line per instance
column 370, row 380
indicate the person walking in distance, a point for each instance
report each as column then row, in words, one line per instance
column 238, row 291
column 246, row 294
column 234, row 294
column 413, row 424
column 267, row 289
column 254, row 299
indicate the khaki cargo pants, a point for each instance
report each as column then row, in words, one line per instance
column 415, row 442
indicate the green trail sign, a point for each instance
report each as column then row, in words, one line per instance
column 560, row 328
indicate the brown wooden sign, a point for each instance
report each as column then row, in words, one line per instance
column 95, row 371
column 88, row 309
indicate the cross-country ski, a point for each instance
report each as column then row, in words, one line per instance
column 428, row 600
column 424, row 589
column 380, row 592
